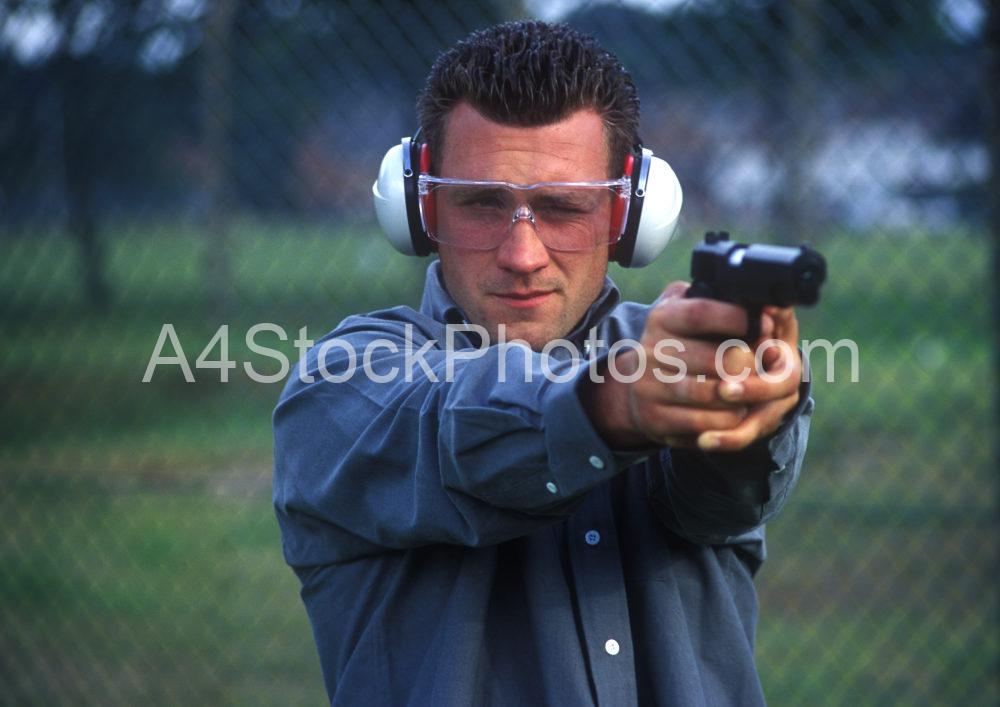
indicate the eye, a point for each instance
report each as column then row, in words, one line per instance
column 566, row 205
column 479, row 199
column 556, row 207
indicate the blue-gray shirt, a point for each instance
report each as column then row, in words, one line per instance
column 468, row 541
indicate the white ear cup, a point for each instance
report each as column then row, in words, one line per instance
column 661, row 206
column 390, row 201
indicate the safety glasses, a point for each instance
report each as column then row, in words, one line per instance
column 567, row 216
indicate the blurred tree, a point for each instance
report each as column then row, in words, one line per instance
column 785, row 75
column 792, row 101
column 96, row 107
column 114, row 97
column 81, row 140
column 991, row 78
column 330, row 76
column 217, row 99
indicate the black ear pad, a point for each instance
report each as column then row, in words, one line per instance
column 654, row 208
column 626, row 244
column 415, row 155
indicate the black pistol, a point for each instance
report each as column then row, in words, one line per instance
column 756, row 275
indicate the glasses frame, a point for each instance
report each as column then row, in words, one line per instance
column 622, row 187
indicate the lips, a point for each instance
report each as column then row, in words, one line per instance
column 524, row 299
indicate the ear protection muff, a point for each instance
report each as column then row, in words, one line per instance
column 397, row 204
column 650, row 218
column 653, row 210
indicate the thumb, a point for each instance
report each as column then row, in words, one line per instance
column 675, row 289
column 786, row 326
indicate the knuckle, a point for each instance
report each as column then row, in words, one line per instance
column 645, row 411
column 736, row 417
column 657, row 319
column 704, row 393
column 687, row 390
column 695, row 313
column 705, row 420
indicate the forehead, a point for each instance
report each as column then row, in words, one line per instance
column 573, row 149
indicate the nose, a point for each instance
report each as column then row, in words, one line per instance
column 522, row 251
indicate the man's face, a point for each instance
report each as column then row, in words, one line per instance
column 537, row 293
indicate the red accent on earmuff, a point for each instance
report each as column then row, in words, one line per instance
column 429, row 205
column 425, row 159
column 618, row 209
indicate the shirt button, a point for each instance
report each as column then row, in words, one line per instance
column 612, row 647
column 551, row 487
column 592, row 537
column 596, row 462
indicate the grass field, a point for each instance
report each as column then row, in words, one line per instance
column 140, row 560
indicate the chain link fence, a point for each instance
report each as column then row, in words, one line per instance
column 176, row 172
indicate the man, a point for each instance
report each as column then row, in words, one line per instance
column 570, row 534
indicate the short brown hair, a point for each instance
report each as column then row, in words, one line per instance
column 532, row 73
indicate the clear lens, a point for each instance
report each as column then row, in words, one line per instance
column 479, row 215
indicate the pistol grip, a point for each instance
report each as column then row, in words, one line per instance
column 702, row 289
column 699, row 288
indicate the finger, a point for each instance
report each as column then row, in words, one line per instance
column 676, row 289
column 766, row 326
column 756, row 389
column 699, row 356
column 759, row 423
column 779, row 358
column 786, row 326
column 696, row 391
column 661, row 421
column 697, row 317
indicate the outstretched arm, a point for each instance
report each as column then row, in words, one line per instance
column 735, row 446
column 364, row 466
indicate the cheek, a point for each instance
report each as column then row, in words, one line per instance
column 591, row 276
column 585, row 279
column 460, row 277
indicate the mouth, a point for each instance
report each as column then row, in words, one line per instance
column 524, row 299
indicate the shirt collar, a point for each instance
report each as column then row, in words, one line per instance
column 439, row 305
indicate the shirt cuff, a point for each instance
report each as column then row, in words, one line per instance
column 578, row 456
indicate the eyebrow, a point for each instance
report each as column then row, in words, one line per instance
column 477, row 192
column 570, row 198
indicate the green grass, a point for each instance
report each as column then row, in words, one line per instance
column 74, row 376
column 148, row 591
column 879, row 604
column 140, row 561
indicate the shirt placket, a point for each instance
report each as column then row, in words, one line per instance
column 600, row 589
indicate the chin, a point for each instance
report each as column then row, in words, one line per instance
column 534, row 334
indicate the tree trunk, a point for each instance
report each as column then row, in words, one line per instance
column 216, row 86
column 79, row 173
column 793, row 103
column 991, row 79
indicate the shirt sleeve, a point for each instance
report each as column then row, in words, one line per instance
column 722, row 498
column 419, row 447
